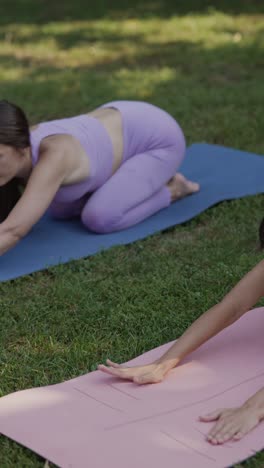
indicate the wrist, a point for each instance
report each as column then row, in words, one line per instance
column 167, row 364
column 256, row 407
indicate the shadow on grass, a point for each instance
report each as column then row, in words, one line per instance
column 42, row 11
column 212, row 91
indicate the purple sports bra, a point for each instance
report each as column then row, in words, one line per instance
column 95, row 141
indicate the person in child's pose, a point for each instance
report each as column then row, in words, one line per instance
column 112, row 167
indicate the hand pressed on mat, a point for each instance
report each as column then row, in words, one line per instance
column 235, row 423
column 148, row 374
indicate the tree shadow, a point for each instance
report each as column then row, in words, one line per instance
column 77, row 35
column 214, row 92
column 43, row 11
column 70, row 24
column 180, row 53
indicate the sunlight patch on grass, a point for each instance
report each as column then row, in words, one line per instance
column 142, row 82
column 13, row 74
column 91, row 43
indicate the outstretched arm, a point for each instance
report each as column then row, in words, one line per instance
column 42, row 186
column 238, row 301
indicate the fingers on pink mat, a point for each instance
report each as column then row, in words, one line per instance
column 211, row 416
column 113, row 364
column 222, row 432
column 122, row 373
column 105, row 369
column 239, row 435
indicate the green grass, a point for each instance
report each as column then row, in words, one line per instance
column 204, row 65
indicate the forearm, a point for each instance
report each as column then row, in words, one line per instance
column 8, row 239
column 238, row 301
column 256, row 402
column 205, row 327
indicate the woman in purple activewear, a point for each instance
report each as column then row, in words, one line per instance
column 112, row 167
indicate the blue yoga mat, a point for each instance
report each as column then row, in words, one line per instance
column 223, row 173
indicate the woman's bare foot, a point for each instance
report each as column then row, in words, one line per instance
column 180, row 187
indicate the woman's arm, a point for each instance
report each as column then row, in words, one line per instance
column 238, row 301
column 41, row 188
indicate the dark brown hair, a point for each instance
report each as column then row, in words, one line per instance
column 261, row 234
column 14, row 131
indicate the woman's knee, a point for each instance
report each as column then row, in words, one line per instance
column 99, row 218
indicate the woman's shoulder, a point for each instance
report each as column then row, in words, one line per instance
column 59, row 141
column 52, row 137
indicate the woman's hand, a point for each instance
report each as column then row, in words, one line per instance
column 232, row 423
column 149, row 374
column 8, row 239
column 43, row 184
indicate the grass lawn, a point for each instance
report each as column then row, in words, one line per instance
column 204, row 65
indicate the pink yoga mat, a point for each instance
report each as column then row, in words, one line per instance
column 97, row 421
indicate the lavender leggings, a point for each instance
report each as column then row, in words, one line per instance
column 154, row 147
